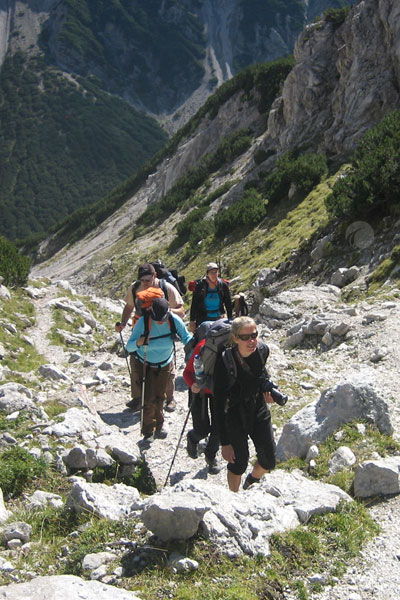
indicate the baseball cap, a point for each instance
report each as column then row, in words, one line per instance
column 146, row 269
column 159, row 309
column 211, row 265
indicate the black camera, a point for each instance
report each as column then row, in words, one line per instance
column 268, row 386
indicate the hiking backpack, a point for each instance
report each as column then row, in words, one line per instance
column 172, row 327
column 218, row 335
column 199, row 334
column 217, row 338
column 240, row 308
column 171, row 276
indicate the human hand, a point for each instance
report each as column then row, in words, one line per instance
column 228, row 453
column 195, row 388
column 268, row 398
column 141, row 341
column 119, row 326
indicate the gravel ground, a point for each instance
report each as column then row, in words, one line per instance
column 375, row 574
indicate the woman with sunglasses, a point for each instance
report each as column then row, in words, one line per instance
column 242, row 406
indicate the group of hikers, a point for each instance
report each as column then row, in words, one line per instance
column 226, row 409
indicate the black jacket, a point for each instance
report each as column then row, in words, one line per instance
column 198, row 311
column 243, row 396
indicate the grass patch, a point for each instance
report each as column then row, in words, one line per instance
column 385, row 271
column 20, row 356
column 363, row 444
column 18, row 469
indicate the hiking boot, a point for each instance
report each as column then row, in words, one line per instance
column 161, row 433
column 134, row 404
column 249, row 481
column 213, row 466
column 149, row 437
column 191, row 447
column 170, row 406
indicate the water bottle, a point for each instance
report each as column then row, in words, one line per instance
column 199, row 373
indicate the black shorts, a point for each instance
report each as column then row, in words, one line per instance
column 262, row 435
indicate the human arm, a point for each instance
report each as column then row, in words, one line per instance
column 175, row 301
column 184, row 335
column 137, row 337
column 126, row 313
column 227, row 300
column 221, row 389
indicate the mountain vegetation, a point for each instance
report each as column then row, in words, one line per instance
column 14, row 266
column 77, row 103
column 64, row 143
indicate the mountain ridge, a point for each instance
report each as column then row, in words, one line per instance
column 295, row 118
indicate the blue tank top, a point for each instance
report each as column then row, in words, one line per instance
column 212, row 304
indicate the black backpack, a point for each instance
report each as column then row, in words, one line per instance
column 171, row 276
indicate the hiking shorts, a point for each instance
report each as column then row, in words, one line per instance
column 262, row 436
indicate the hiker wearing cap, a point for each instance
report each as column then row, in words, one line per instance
column 152, row 345
column 147, row 282
column 242, row 405
column 202, row 408
column 211, row 299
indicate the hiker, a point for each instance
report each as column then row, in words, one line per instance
column 211, row 299
column 152, row 345
column 147, row 279
column 242, row 406
column 202, row 408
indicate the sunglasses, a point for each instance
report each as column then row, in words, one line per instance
column 245, row 337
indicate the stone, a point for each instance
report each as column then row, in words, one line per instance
column 337, row 405
column 18, row 530
column 67, row 587
column 4, row 513
column 41, row 499
column 341, row 459
column 114, row 502
column 52, row 372
column 377, row 477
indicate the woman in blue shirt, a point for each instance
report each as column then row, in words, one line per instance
column 153, row 352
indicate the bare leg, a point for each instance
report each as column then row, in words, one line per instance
column 234, row 481
column 258, row 471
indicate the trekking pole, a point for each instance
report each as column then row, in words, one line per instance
column 126, row 356
column 143, row 383
column 179, row 441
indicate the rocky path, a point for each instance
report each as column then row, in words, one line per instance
column 376, row 573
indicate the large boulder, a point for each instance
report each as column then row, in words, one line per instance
column 343, row 403
column 240, row 523
column 377, row 477
column 15, row 396
column 174, row 515
column 63, row 587
column 109, row 502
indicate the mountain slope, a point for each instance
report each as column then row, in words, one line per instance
column 338, row 89
column 74, row 71
column 64, row 143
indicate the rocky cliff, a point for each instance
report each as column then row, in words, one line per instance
column 345, row 80
column 183, row 50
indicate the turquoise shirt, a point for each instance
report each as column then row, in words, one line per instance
column 212, row 303
column 159, row 351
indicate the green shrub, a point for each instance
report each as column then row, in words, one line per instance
column 305, row 171
column 225, row 153
column 245, row 213
column 14, row 267
column 337, row 16
column 18, row 469
column 185, row 227
column 373, row 184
